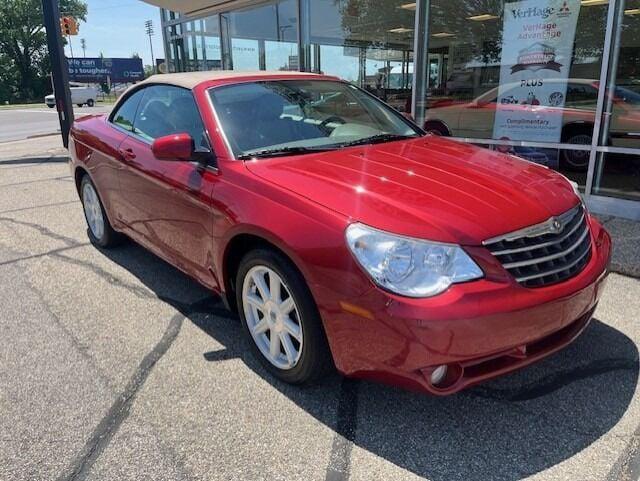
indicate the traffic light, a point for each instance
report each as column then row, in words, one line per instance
column 68, row 26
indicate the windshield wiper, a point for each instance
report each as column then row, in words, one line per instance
column 377, row 139
column 282, row 151
column 374, row 139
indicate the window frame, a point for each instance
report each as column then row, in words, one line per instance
column 139, row 137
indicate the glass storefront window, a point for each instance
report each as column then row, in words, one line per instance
column 175, row 48
column 622, row 103
column 211, row 43
column 617, row 173
column 265, row 37
column 517, row 71
column 367, row 42
column 194, row 45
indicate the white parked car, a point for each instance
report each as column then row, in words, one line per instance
column 80, row 95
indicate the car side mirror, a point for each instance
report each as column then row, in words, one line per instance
column 180, row 147
column 173, row 147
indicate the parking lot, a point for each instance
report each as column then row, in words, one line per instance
column 114, row 365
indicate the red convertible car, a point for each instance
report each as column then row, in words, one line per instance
column 341, row 233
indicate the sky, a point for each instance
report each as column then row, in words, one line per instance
column 116, row 28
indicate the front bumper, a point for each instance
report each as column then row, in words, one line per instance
column 480, row 329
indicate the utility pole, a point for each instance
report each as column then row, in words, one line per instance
column 149, row 29
column 59, row 68
column 83, row 44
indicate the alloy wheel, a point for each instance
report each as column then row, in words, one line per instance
column 93, row 210
column 272, row 317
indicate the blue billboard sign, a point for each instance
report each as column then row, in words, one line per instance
column 100, row 70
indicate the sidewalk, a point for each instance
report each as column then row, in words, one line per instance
column 625, row 233
column 38, row 148
column 626, row 244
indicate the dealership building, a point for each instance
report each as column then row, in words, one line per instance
column 553, row 81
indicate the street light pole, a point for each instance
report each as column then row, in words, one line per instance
column 149, row 29
column 83, row 45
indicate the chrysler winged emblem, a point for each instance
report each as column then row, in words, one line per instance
column 556, row 226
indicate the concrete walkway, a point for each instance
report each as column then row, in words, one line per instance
column 626, row 244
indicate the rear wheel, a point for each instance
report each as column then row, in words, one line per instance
column 50, row 106
column 281, row 318
column 576, row 160
column 100, row 231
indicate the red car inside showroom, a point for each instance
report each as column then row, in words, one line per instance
column 341, row 233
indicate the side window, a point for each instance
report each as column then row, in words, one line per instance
column 582, row 97
column 167, row 110
column 125, row 115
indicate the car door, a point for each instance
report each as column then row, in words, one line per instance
column 477, row 117
column 106, row 163
column 167, row 203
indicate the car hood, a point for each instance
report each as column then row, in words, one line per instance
column 430, row 188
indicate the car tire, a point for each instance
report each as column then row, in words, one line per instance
column 576, row 160
column 50, row 106
column 99, row 228
column 90, row 103
column 436, row 128
column 297, row 359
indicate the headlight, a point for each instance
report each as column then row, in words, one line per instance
column 409, row 267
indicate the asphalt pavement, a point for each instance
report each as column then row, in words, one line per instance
column 24, row 123
column 115, row 366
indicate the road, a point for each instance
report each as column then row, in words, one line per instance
column 18, row 124
column 115, row 366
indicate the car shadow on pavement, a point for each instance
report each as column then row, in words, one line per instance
column 509, row 428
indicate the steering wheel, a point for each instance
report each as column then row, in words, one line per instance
column 333, row 118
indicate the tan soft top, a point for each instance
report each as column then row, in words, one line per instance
column 190, row 79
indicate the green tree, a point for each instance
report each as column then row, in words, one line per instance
column 148, row 71
column 23, row 44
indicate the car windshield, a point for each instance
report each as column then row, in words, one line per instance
column 270, row 118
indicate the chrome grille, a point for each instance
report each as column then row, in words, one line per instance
column 546, row 253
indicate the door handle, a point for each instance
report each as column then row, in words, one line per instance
column 127, row 154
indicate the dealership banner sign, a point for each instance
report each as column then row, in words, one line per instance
column 537, row 46
column 98, row 70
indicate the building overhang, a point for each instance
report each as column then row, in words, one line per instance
column 195, row 7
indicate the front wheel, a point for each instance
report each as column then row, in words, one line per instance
column 90, row 103
column 100, row 231
column 281, row 318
